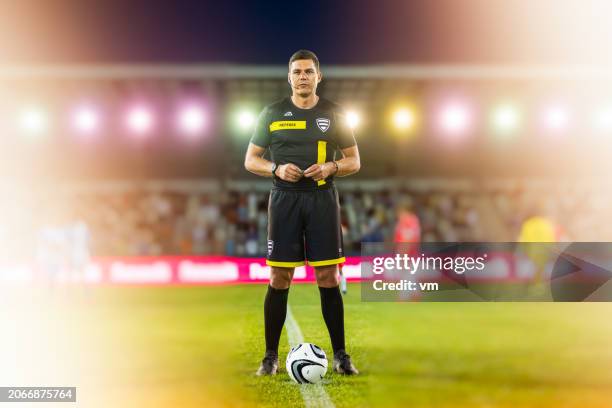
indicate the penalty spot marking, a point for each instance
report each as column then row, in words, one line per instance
column 314, row 395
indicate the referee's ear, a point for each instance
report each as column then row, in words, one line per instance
column 319, row 77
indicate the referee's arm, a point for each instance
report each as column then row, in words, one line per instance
column 350, row 163
column 256, row 164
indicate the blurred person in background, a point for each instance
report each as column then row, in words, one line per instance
column 408, row 226
column 538, row 232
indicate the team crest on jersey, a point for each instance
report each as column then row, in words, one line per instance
column 323, row 124
column 270, row 247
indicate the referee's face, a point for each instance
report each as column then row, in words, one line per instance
column 304, row 77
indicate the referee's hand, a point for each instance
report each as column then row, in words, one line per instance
column 319, row 171
column 289, row 172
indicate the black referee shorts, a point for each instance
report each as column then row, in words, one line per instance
column 304, row 226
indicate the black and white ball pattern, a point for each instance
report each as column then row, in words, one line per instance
column 306, row 363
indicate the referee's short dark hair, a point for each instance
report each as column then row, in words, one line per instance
column 304, row 55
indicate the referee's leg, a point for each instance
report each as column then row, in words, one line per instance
column 331, row 303
column 332, row 307
column 275, row 305
column 275, row 312
column 280, row 278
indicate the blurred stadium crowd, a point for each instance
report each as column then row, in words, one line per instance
column 175, row 219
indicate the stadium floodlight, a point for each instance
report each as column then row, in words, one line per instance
column 246, row 119
column 603, row 119
column 352, row 119
column 33, row 121
column 556, row 118
column 191, row 120
column 140, row 120
column 85, row 120
column 505, row 118
column 403, row 118
column 455, row 118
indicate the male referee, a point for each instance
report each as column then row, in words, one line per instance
column 303, row 133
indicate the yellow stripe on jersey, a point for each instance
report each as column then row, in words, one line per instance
column 321, row 157
column 287, row 125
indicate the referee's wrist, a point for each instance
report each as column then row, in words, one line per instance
column 336, row 167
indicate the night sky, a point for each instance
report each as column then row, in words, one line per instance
column 351, row 32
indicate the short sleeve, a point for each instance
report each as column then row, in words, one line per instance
column 344, row 134
column 261, row 134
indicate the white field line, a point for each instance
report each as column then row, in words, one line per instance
column 314, row 395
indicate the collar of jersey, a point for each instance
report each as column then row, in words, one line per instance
column 303, row 109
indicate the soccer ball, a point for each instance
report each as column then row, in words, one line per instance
column 306, row 364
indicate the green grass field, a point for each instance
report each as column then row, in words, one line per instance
column 200, row 346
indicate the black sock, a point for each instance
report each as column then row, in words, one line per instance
column 333, row 314
column 275, row 311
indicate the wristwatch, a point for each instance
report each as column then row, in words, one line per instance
column 274, row 167
column 337, row 168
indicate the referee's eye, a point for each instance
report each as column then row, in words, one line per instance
column 297, row 72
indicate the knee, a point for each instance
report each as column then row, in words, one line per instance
column 280, row 278
column 327, row 276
